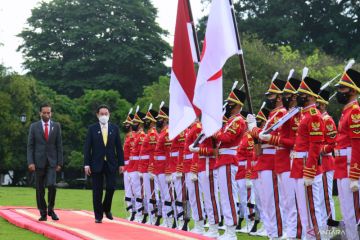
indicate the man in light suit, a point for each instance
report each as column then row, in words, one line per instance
column 45, row 157
column 103, row 156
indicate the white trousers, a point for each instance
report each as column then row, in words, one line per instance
column 195, row 198
column 309, row 214
column 150, row 194
column 227, row 187
column 136, row 189
column 244, row 196
column 180, row 190
column 160, row 180
column 349, row 204
column 257, row 192
column 270, row 201
column 129, row 196
column 326, row 196
column 288, row 204
column 209, row 186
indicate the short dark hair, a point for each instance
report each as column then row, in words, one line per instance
column 102, row 106
column 44, row 105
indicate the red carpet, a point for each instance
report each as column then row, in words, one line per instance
column 75, row 225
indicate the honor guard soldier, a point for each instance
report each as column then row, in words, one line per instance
column 284, row 142
column 306, row 155
column 229, row 139
column 147, row 156
column 128, row 143
column 192, row 182
column 270, row 197
column 347, row 151
column 208, row 178
column 327, row 159
column 133, row 167
column 161, row 155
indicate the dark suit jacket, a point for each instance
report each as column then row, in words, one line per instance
column 95, row 149
column 40, row 151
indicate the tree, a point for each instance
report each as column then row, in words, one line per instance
column 155, row 93
column 329, row 25
column 72, row 45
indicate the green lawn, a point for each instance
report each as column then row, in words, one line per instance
column 68, row 199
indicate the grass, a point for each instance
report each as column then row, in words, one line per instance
column 68, row 199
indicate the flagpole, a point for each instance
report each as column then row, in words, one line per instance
column 241, row 59
column 194, row 31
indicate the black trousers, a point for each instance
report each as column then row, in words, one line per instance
column 101, row 206
column 45, row 177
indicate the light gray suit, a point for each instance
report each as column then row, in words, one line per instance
column 46, row 155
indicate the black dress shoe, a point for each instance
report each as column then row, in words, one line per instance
column 98, row 221
column 43, row 218
column 53, row 216
column 109, row 215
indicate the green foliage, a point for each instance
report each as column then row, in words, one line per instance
column 72, row 45
column 76, row 160
column 155, row 93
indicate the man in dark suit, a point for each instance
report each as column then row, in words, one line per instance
column 45, row 157
column 103, row 156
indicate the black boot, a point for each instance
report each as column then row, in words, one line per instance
column 254, row 228
column 158, row 219
column 132, row 216
column 238, row 227
column 221, row 223
column 174, row 224
column 185, row 226
column 145, row 218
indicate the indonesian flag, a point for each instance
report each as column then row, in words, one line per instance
column 182, row 112
column 220, row 44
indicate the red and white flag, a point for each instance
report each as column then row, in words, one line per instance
column 182, row 112
column 220, row 44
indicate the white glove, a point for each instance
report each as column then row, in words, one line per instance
column 354, row 185
column 251, row 121
column 178, row 175
column 248, row 183
column 308, row 181
column 193, row 177
column 264, row 137
column 194, row 149
column 152, row 176
column 168, row 178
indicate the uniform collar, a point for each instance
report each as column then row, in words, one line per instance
column 308, row 108
column 350, row 104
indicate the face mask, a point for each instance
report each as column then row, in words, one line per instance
column 159, row 124
column 286, row 102
column 342, row 97
column 229, row 109
column 301, row 101
column 270, row 103
column 126, row 128
column 104, row 119
column 146, row 125
column 135, row 127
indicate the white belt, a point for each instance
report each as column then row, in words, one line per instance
column 299, row 154
column 269, row 151
column 242, row 163
column 145, row 157
column 341, row 152
column 206, row 157
column 160, row 158
column 174, row 154
column 280, row 148
column 327, row 154
column 134, row 158
column 266, row 146
column 188, row 156
column 227, row 151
